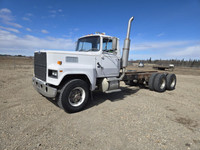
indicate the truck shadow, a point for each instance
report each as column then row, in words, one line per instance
column 99, row 97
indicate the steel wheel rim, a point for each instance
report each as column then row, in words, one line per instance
column 173, row 83
column 163, row 83
column 76, row 96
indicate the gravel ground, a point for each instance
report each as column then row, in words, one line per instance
column 131, row 119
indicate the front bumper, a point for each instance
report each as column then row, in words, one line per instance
column 44, row 89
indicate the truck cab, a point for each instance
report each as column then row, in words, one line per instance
column 106, row 50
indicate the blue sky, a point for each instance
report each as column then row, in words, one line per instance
column 162, row 29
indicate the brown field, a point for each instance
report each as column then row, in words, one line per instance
column 131, row 119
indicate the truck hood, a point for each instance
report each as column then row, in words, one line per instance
column 70, row 52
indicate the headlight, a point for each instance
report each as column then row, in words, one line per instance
column 53, row 73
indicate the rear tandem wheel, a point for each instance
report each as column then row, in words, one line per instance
column 151, row 81
column 171, row 81
column 160, row 83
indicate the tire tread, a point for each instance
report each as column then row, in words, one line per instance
column 151, row 81
column 169, row 81
column 157, row 82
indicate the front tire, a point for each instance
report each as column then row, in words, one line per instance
column 74, row 95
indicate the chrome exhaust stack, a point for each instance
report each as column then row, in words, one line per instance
column 126, row 45
column 126, row 49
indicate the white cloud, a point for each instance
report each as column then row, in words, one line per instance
column 53, row 16
column 166, row 50
column 10, row 29
column 60, row 10
column 76, row 29
column 26, row 18
column 29, row 14
column 14, row 24
column 28, row 29
column 5, row 10
column 54, row 13
column 44, row 31
column 158, row 45
column 5, row 15
column 12, row 43
column 192, row 51
column 160, row 34
column 7, row 18
column 143, row 56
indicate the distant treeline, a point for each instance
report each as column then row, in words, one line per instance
column 6, row 55
column 182, row 63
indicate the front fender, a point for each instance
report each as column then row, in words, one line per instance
column 73, row 69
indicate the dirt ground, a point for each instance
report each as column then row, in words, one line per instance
column 131, row 119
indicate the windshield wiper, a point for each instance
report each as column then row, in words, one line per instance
column 109, row 50
column 93, row 49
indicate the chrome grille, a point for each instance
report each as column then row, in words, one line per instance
column 40, row 64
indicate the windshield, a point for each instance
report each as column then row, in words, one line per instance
column 88, row 44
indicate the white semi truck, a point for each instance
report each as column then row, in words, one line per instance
column 70, row 77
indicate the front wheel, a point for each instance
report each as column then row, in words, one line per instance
column 74, row 95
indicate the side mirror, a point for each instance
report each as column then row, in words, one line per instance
column 114, row 43
column 76, row 46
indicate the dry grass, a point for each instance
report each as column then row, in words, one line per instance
column 12, row 62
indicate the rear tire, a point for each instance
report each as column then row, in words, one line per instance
column 160, row 83
column 171, row 81
column 74, row 95
column 151, row 81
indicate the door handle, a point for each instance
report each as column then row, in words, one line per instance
column 98, row 65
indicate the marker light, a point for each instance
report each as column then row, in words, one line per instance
column 59, row 62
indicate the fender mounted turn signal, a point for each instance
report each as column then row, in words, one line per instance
column 59, row 62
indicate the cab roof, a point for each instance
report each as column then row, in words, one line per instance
column 96, row 34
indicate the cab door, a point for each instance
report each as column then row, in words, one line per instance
column 108, row 65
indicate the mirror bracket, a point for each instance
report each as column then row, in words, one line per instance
column 114, row 43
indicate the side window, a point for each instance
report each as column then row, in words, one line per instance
column 107, row 45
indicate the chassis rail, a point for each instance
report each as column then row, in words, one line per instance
column 140, row 76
